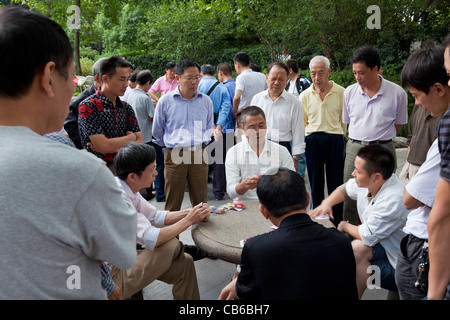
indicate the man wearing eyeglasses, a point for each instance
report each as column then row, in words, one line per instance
column 183, row 124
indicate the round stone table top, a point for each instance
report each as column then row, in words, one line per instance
column 222, row 235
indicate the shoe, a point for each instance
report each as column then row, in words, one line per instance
column 163, row 199
column 150, row 196
column 195, row 252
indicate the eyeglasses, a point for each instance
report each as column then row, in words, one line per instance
column 191, row 78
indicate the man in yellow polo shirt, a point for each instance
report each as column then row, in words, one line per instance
column 325, row 133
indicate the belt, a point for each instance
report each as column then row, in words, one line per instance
column 366, row 143
column 193, row 148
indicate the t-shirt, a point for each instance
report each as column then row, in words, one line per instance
column 249, row 83
column 61, row 211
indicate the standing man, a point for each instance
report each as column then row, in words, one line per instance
column 184, row 124
column 223, row 119
column 439, row 220
column 105, row 122
column 166, row 83
column 426, row 79
column 375, row 109
column 325, row 133
column 71, row 123
column 283, row 112
column 248, row 83
column 73, row 216
column 143, row 107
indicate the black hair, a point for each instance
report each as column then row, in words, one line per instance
column 143, row 77
column 278, row 64
column 292, row 64
column 134, row 74
column 108, row 67
column 251, row 111
column 170, row 65
column 367, row 55
column 282, row 192
column 133, row 157
column 184, row 64
column 377, row 158
column 28, row 41
column 255, row 67
column 424, row 68
column 242, row 58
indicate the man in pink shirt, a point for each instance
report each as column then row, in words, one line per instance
column 164, row 84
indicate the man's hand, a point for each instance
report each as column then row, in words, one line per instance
column 322, row 210
column 229, row 292
column 131, row 135
column 199, row 213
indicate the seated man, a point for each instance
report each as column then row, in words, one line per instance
column 301, row 259
column 379, row 199
column 253, row 156
column 160, row 253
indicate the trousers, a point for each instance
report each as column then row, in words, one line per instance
column 167, row 263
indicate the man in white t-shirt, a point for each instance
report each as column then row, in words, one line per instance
column 248, row 83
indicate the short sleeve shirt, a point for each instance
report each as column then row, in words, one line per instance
column 97, row 115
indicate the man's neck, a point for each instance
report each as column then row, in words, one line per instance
column 373, row 190
column 274, row 96
column 112, row 97
column 277, row 221
column 372, row 88
column 184, row 95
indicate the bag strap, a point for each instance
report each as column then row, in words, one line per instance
column 212, row 88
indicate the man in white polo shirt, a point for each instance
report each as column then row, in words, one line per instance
column 248, row 83
column 375, row 109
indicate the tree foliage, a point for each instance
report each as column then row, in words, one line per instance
column 152, row 32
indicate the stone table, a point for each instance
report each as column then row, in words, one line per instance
column 221, row 235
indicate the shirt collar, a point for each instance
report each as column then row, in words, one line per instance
column 380, row 91
column 248, row 148
column 176, row 92
column 125, row 187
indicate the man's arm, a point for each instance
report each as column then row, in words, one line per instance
column 410, row 202
column 439, row 242
column 236, row 102
column 154, row 96
column 336, row 197
column 105, row 145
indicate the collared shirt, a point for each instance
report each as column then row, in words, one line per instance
column 284, row 118
column 222, row 106
column 372, row 119
column 149, row 219
column 143, row 107
column 183, row 123
column 249, row 83
column 98, row 115
column 421, row 134
column 163, row 85
column 241, row 161
column 444, row 145
column 383, row 216
column 323, row 115
column 423, row 188
column 230, row 84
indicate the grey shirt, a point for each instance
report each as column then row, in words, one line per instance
column 61, row 211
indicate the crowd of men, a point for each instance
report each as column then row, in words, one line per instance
column 64, row 208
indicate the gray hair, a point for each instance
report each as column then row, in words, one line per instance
column 320, row 59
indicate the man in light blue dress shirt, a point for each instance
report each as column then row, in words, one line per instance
column 184, row 124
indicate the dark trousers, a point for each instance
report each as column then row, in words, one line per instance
column 218, row 151
column 159, row 181
column 325, row 156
